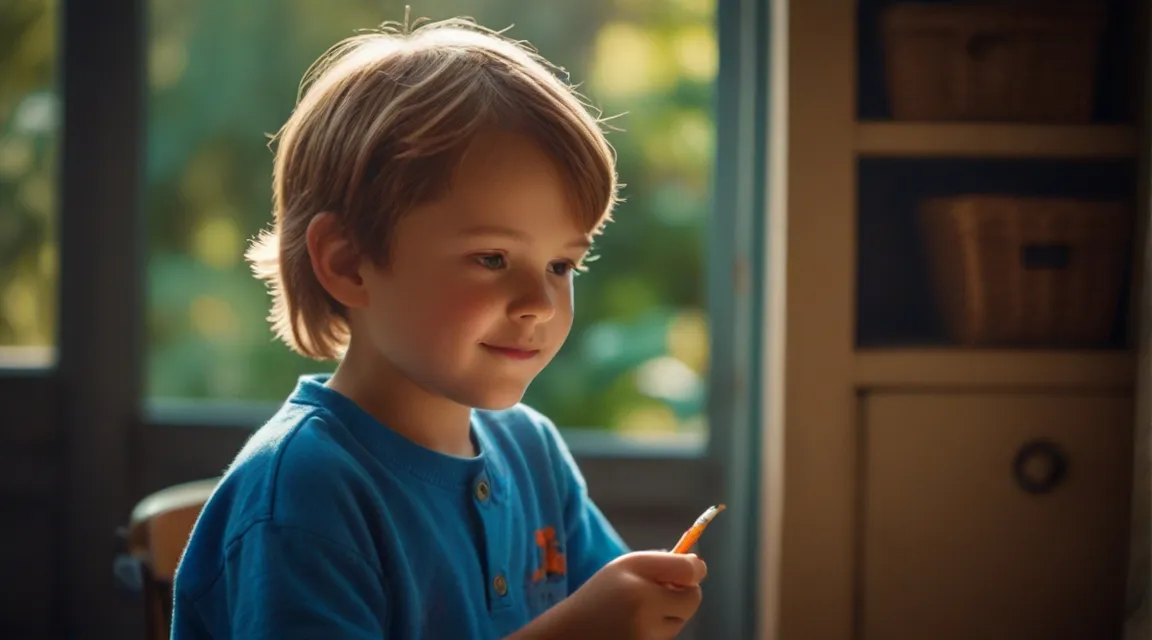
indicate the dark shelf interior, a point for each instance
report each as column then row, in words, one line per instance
column 895, row 303
column 1116, row 78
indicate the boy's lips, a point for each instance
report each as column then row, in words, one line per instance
column 514, row 353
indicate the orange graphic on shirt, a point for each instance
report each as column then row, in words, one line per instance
column 552, row 562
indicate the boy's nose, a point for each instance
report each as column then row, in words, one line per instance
column 535, row 302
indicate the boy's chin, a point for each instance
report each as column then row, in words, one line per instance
column 498, row 401
column 490, row 397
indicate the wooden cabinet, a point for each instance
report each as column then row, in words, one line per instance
column 890, row 507
column 954, row 545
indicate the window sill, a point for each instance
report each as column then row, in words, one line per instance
column 27, row 362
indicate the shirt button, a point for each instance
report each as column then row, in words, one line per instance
column 500, row 584
column 483, row 491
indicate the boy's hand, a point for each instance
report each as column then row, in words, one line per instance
column 646, row 595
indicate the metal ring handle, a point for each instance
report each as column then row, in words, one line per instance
column 1045, row 451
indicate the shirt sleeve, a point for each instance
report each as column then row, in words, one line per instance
column 592, row 540
column 285, row 582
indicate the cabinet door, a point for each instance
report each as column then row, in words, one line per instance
column 954, row 547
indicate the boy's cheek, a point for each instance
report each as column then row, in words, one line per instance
column 467, row 306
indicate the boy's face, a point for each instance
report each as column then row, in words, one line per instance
column 476, row 297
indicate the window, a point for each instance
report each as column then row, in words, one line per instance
column 224, row 74
column 28, row 191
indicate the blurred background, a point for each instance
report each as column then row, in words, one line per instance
column 222, row 75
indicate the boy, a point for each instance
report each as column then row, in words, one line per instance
column 435, row 191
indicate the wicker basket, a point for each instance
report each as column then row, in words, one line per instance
column 1027, row 271
column 992, row 62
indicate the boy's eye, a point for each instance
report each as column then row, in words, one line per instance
column 562, row 268
column 492, row 261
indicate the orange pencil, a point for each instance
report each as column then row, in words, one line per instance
column 697, row 529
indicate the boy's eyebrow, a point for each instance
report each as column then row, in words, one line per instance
column 516, row 234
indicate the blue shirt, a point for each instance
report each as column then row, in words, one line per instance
column 330, row 525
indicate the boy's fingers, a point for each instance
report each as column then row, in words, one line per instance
column 679, row 569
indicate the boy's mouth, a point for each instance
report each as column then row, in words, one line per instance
column 512, row 353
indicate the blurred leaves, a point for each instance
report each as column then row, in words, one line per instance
column 28, row 122
column 223, row 75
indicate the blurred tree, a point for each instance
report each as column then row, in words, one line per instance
column 27, row 172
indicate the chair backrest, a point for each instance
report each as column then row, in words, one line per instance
column 157, row 534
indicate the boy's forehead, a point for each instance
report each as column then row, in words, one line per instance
column 517, row 212
column 504, row 156
column 510, row 181
column 517, row 219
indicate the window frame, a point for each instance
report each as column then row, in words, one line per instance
column 97, row 445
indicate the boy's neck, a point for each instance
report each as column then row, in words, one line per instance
column 388, row 395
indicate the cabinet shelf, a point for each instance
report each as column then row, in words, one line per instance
column 964, row 140
column 911, row 368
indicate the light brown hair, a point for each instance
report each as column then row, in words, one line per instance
column 381, row 123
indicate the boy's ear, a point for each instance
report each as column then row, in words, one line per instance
column 335, row 262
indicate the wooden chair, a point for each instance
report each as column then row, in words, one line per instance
column 157, row 533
